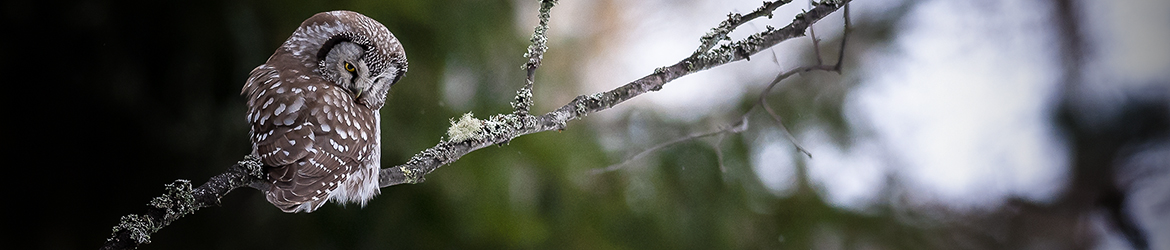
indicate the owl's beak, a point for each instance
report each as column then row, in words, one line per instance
column 359, row 87
column 356, row 90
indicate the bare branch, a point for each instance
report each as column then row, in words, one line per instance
column 719, row 152
column 763, row 102
column 500, row 129
column 180, row 200
column 844, row 40
column 812, row 33
column 820, row 66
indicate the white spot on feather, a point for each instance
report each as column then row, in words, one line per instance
column 279, row 109
column 296, row 105
column 290, row 119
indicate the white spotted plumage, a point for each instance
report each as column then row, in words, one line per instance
column 321, row 143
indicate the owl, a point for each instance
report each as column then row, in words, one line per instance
column 313, row 109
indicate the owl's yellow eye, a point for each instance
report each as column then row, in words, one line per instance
column 349, row 67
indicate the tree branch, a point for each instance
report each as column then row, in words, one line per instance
column 180, row 199
column 502, row 128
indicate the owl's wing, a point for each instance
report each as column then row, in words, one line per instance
column 306, row 184
column 343, row 144
column 280, row 135
column 284, row 138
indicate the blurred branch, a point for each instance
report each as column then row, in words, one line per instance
column 733, row 129
column 502, row 128
column 762, row 101
column 180, row 200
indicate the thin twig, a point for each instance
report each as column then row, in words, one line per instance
column 812, row 33
column 639, row 155
column 820, row 66
column 719, row 152
column 763, row 102
column 844, row 40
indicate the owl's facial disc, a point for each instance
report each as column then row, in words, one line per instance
column 344, row 63
column 359, row 78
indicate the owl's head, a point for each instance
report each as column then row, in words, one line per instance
column 352, row 51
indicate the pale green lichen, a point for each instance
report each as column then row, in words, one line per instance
column 660, row 70
column 539, row 39
column 466, row 128
column 177, row 201
column 727, row 52
column 411, row 176
column 502, row 126
column 138, row 226
column 733, row 21
column 585, row 102
column 580, row 109
column 253, row 167
column 523, row 100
